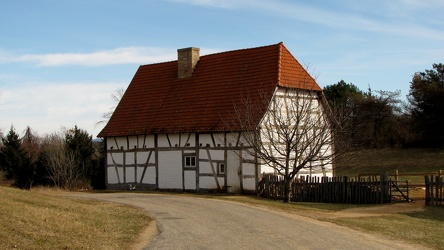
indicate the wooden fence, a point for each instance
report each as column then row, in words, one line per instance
column 434, row 190
column 371, row 190
column 415, row 179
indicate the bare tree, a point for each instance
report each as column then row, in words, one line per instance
column 60, row 163
column 116, row 97
column 295, row 134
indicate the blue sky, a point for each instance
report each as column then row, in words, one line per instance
column 60, row 61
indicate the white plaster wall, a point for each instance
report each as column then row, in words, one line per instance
column 190, row 179
column 214, row 154
column 146, row 142
column 205, row 168
column 129, row 158
column 219, row 139
column 116, row 158
column 129, row 177
column 249, row 184
column 248, row 169
column 247, row 156
column 191, row 140
column 121, row 143
column 174, row 139
column 112, row 175
column 110, row 143
column 162, row 141
column 181, row 140
column 170, row 169
column 203, row 154
column 120, row 171
column 115, row 176
column 150, row 176
column 232, row 139
column 142, row 157
column 205, row 139
column 208, row 182
column 133, row 142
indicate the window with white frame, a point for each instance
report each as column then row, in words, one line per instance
column 190, row 161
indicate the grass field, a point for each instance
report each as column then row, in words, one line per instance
column 390, row 160
column 30, row 220
column 406, row 161
column 422, row 227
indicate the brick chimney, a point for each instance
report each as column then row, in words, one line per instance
column 187, row 60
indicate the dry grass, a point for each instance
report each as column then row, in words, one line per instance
column 406, row 161
column 29, row 220
column 422, row 227
column 390, row 160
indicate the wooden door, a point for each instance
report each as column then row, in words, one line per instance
column 233, row 172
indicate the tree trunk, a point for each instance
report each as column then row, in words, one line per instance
column 287, row 189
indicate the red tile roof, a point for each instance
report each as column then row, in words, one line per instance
column 157, row 101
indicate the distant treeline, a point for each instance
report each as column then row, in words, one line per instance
column 379, row 119
column 68, row 160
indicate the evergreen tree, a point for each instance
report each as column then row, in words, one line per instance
column 427, row 107
column 89, row 162
column 15, row 161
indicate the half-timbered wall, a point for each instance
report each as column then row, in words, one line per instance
column 130, row 160
column 185, row 161
column 307, row 112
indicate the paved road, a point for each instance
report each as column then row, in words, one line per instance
column 186, row 222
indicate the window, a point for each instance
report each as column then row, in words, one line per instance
column 190, row 161
column 221, row 168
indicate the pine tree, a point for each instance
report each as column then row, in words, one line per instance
column 14, row 160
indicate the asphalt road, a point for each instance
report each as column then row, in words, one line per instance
column 186, row 222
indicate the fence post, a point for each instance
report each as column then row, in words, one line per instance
column 439, row 180
column 427, row 184
column 385, row 185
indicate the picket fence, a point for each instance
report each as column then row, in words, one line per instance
column 434, row 190
column 370, row 190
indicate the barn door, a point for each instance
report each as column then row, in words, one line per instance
column 233, row 172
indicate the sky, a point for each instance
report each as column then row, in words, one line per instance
column 60, row 61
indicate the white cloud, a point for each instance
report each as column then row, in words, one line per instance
column 49, row 106
column 358, row 16
column 128, row 55
column 140, row 55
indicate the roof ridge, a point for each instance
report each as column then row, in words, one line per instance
column 236, row 50
column 221, row 52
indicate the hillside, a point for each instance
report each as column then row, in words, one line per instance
column 390, row 160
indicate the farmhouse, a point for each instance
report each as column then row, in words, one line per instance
column 174, row 127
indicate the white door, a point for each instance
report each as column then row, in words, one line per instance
column 233, row 172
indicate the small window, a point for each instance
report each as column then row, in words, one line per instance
column 190, row 161
column 221, row 168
